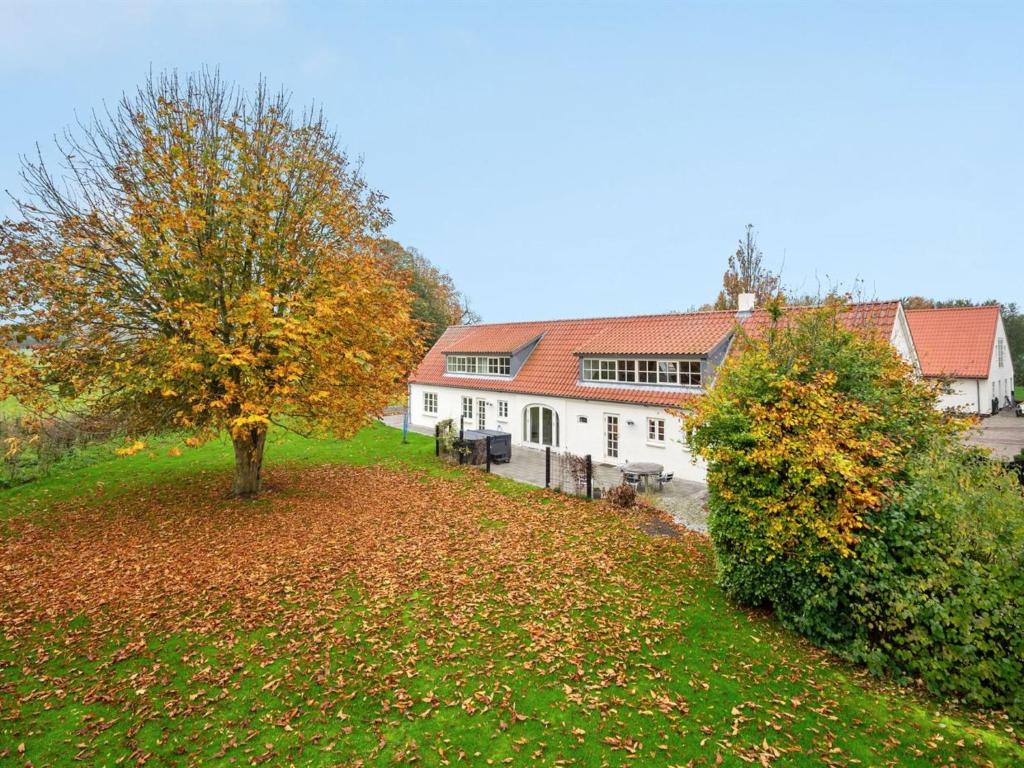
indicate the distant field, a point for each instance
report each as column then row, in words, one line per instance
column 375, row 607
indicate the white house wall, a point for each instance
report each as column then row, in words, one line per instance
column 574, row 436
column 903, row 341
column 1000, row 377
column 964, row 395
column 976, row 395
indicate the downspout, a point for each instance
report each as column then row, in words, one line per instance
column 977, row 386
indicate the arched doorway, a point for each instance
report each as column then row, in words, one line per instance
column 540, row 425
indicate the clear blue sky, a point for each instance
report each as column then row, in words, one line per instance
column 572, row 159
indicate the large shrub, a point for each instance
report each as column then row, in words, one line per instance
column 937, row 589
column 841, row 498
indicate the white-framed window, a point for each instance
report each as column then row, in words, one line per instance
column 999, row 352
column 430, row 402
column 684, row 373
column 499, row 366
column 647, row 371
column 461, row 364
column 467, row 407
column 655, row 430
column 668, row 372
column 487, row 365
column 503, row 409
column 689, row 372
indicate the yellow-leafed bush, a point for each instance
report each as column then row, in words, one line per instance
column 842, row 499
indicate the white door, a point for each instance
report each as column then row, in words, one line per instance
column 481, row 414
column 611, row 435
column 540, row 426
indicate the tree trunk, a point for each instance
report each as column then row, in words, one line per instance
column 249, row 461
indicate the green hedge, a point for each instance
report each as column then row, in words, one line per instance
column 938, row 588
column 841, row 499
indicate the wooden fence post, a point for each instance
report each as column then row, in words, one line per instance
column 590, row 478
column 547, row 466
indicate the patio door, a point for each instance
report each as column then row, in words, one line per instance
column 540, row 425
column 611, row 435
column 481, row 414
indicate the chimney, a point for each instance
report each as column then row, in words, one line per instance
column 745, row 304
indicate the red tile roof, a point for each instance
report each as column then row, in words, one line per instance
column 695, row 333
column 955, row 341
column 553, row 366
column 875, row 317
column 496, row 339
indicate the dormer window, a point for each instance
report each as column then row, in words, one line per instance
column 480, row 365
column 672, row 373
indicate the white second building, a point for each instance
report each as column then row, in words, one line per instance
column 966, row 349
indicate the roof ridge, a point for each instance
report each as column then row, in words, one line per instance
column 940, row 309
column 604, row 317
column 642, row 316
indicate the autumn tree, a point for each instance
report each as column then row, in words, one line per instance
column 843, row 499
column 747, row 274
column 203, row 259
column 437, row 303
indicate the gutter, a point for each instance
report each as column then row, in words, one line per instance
column 581, row 398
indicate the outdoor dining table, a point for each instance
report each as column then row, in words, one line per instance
column 645, row 470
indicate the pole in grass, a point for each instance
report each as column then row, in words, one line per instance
column 462, row 439
column 487, row 444
column 437, row 439
column 547, row 466
column 405, row 426
column 590, row 478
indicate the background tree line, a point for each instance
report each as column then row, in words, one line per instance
column 437, row 303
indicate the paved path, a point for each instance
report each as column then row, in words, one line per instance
column 683, row 499
column 395, row 420
column 1003, row 433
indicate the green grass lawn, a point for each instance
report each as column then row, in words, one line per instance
column 96, row 472
column 376, row 608
column 1018, row 394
